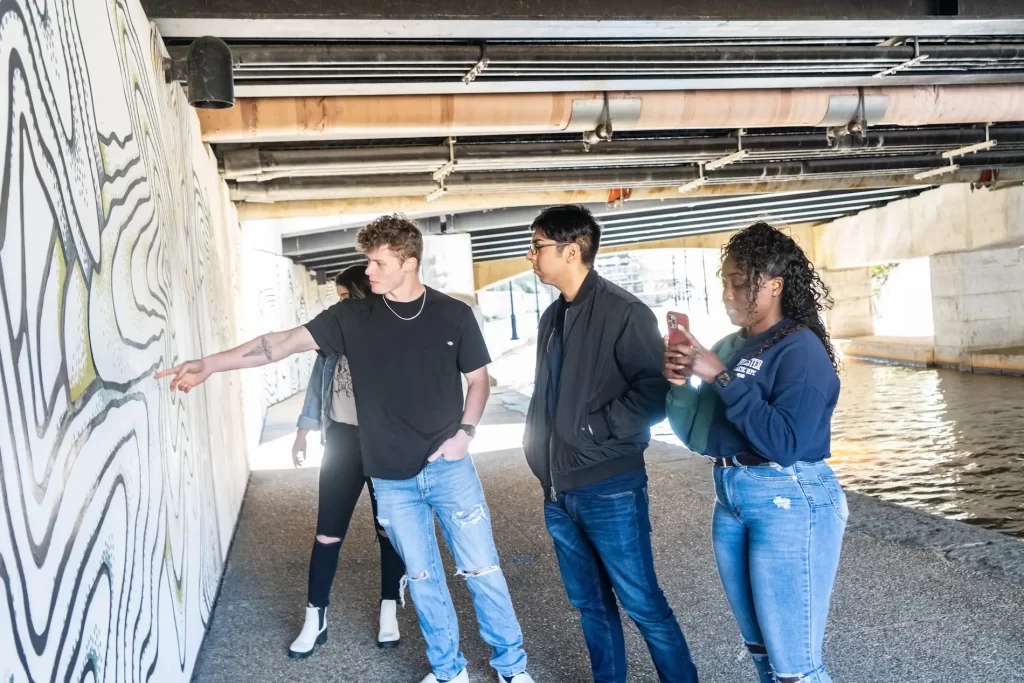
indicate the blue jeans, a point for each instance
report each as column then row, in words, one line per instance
column 778, row 532
column 603, row 543
column 406, row 509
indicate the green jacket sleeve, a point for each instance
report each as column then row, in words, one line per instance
column 690, row 410
column 681, row 408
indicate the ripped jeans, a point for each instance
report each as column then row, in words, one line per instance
column 406, row 509
column 778, row 532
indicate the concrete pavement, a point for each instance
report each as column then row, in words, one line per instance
column 918, row 599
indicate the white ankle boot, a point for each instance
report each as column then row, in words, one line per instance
column 461, row 678
column 314, row 632
column 388, row 636
column 518, row 678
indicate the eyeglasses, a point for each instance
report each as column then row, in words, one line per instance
column 535, row 247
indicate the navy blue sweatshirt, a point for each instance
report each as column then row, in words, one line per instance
column 780, row 404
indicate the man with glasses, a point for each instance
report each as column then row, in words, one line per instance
column 599, row 387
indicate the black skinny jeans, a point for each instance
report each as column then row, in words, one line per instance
column 341, row 484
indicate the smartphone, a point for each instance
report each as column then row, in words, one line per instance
column 676, row 323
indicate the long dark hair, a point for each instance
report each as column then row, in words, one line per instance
column 762, row 250
column 354, row 279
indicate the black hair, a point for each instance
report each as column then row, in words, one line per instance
column 354, row 279
column 762, row 251
column 571, row 224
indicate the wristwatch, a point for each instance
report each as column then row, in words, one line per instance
column 723, row 378
column 469, row 429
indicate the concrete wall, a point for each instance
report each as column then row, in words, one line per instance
column 278, row 295
column 977, row 302
column 948, row 219
column 119, row 256
column 851, row 316
column 976, row 278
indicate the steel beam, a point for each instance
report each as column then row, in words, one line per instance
column 505, row 233
column 542, row 18
column 482, row 87
column 295, row 246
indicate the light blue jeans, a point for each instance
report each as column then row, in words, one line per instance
column 778, row 532
column 406, row 509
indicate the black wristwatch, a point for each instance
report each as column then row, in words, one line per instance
column 723, row 378
column 469, row 429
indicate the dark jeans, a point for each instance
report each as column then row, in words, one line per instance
column 603, row 543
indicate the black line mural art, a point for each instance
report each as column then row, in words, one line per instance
column 117, row 499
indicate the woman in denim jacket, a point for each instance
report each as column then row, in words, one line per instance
column 330, row 407
column 763, row 413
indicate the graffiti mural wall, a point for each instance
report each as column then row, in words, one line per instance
column 117, row 257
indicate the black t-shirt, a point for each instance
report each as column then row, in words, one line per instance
column 407, row 374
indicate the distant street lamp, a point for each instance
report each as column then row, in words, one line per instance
column 536, row 297
column 675, row 284
column 512, row 304
column 707, row 304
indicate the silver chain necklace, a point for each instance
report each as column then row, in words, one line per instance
column 417, row 313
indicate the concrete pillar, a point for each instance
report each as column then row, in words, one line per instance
column 977, row 303
column 851, row 316
column 951, row 218
column 448, row 267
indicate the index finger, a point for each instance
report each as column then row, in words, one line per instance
column 689, row 337
column 166, row 373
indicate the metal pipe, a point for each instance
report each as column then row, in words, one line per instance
column 323, row 118
column 344, row 187
column 291, row 55
column 261, row 165
column 500, row 200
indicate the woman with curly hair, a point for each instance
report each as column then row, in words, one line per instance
column 763, row 413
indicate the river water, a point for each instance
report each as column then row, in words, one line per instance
column 947, row 442
column 943, row 441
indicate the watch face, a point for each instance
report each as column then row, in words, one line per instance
column 469, row 429
column 724, row 378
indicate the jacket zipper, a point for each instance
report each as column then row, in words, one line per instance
column 551, row 457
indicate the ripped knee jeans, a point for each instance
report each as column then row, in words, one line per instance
column 406, row 509
column 778, row 533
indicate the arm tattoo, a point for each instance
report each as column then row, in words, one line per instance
column 263, row 348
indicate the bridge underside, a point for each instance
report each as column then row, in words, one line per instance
column 668, row 120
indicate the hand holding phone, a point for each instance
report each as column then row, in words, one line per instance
column 674, row 371
column 676, row 323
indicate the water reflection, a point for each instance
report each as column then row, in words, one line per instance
column 944, row 441
column 947, row 442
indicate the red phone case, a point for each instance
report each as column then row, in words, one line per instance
column 676, row 321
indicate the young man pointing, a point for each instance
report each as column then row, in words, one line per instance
column 408, row 348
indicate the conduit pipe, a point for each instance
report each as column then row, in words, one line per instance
column 261, row 165
column 498, row 200
column 349, row 187
column 316, row 118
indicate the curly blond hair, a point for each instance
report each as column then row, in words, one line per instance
column 394, row 231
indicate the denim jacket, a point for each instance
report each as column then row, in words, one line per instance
column 318, row 394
